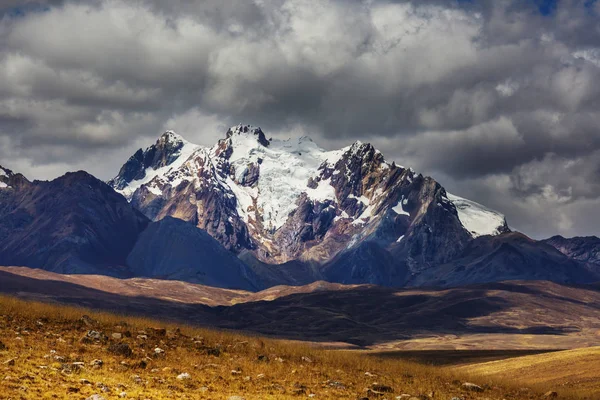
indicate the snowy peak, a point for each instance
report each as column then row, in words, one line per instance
column 248, row 131
column 477, row 219
column 171, row 137
column 5, row 175
column 168, row 153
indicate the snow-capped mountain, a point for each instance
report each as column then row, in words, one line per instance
column 290, row 200
column 251, row 212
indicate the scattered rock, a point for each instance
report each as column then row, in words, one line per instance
column 94, row 335
column 117, row 336
column 85, row 382
column 236, row 372
column 9, row 363
column 157, row 331
column 158, row 352
column 96, row 397
column 403, row 396
column 3, row 347
column 236, row 398
column 142, row 337
column 123, row 395
column 335, row 384
column 550, row 395
column 262, row 358
column 120, row 349
column 210, row 351
column 472, row 387
column 88, row 321
column 184, row 376
column 306, row 359
column 97, row 363
column 299, row 390
column 137, row 379
column 103, row 387
column 379, row 388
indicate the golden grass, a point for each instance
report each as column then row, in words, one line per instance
column 573, row 372
column 45, row 340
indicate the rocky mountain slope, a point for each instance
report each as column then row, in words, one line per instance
column 293, row 204
column 77, row 224
column 174, row 249
column 583, row 249
column 73, row 224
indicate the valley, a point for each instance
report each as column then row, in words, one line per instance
column 503, row 316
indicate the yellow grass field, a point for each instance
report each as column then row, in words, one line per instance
column 54, row 352
column 575, row 372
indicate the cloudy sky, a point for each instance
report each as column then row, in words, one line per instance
column 499, row 100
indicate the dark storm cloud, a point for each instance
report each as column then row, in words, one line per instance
column 497, row 99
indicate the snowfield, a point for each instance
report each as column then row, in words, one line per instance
column 476, row 218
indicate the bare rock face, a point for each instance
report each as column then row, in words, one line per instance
column 163, row 153
column 582, row 249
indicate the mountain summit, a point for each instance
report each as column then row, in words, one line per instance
column 289, row 201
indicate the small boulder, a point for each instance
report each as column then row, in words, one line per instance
column 94, row 335
column 550, row 395
column 88, row 321
column 472, row 387
column 96, row 397
column 157, row 331
column 120, row 349
column 184, row 377
column 97, row 363
column 379, row 388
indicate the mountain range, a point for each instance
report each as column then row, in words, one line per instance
column 253, row 212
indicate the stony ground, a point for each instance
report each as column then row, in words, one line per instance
column 56, row 352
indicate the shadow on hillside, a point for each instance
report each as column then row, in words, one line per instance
column 361, row 316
